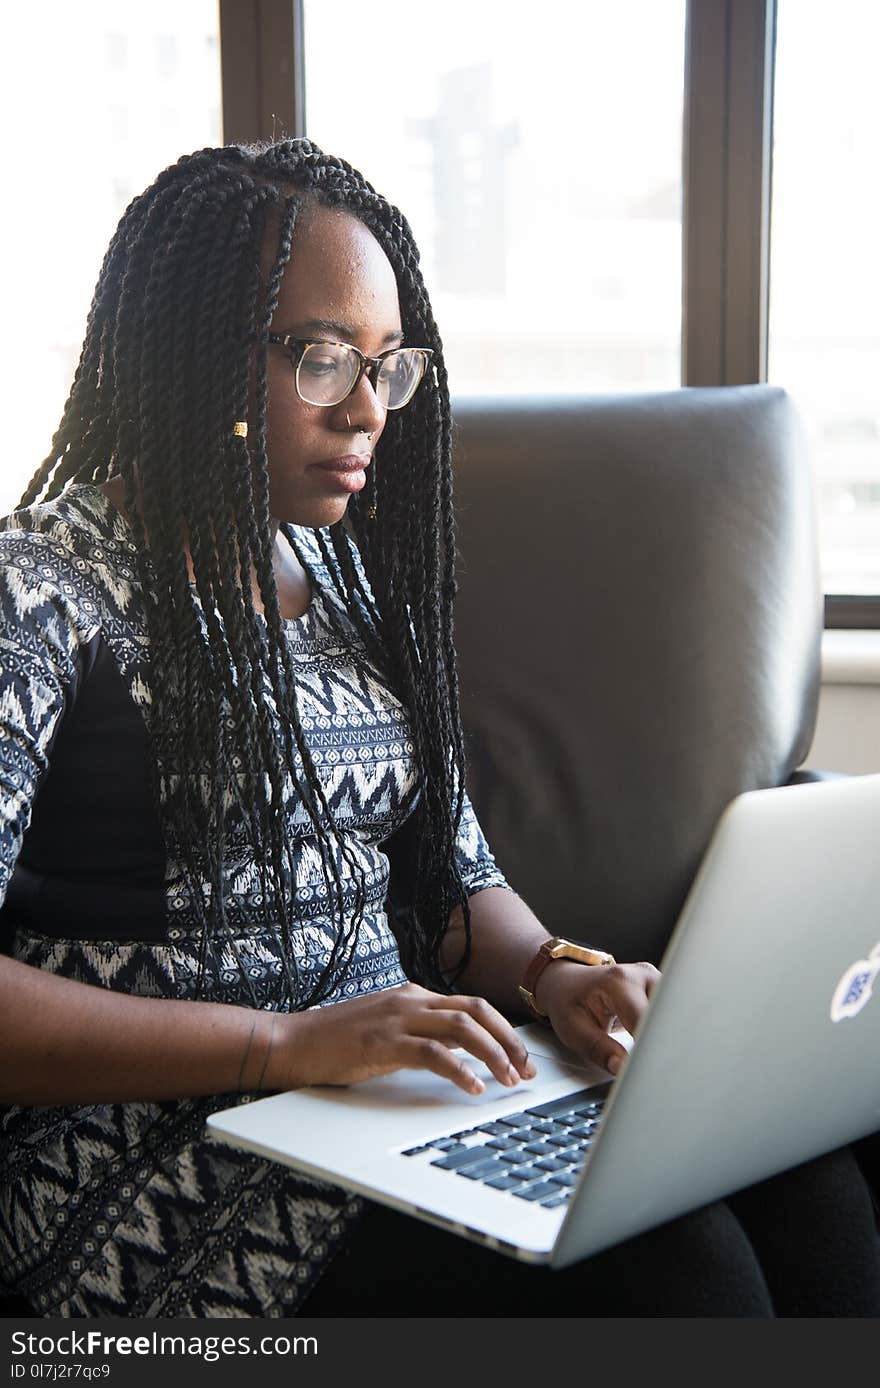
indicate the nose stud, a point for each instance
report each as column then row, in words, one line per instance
column 368, row 437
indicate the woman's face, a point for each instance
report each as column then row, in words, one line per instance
column 338, row 286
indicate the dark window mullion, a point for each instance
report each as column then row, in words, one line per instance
column 704, row 189
column 750, row 104
column 262, row 60
column 727, row 133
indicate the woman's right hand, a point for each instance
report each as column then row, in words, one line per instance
column 402, row 1028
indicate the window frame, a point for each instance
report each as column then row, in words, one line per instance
column 262, row 59
column 726, row 177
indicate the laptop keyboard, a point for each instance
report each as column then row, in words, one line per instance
column 537, row 1154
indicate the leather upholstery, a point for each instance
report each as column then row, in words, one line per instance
column 638, row 626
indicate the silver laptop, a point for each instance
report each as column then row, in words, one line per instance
column 759, row 1051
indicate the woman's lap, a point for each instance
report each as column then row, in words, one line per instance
column 394, row 1265
column 815, row 1233
column 801, row 1244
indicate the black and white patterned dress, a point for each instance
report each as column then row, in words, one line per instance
column 127, row 1209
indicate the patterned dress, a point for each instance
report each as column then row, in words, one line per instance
column 127, row 1209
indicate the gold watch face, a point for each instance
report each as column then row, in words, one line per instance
column 583, row 954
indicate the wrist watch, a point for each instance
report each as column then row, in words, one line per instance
column 557, row 948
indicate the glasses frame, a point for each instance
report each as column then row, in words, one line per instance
column 369, row 366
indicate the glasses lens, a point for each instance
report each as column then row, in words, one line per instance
column 326, row 373
column 399, row 376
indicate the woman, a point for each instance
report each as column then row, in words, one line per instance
column 226, row 610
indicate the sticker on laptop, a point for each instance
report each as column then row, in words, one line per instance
column 856, row 986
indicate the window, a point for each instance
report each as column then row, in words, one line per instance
column 116, row 49
column 91, row 140
column 824, row 283
column 505, row 131
column 504, row 140
column 166, row 55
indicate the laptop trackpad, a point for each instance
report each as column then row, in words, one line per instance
column 412, row 1090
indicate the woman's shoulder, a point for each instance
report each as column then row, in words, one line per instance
column 68, row 545
column 70, row 524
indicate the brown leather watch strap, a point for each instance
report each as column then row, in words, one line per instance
column 556, row 948
column 536, row 968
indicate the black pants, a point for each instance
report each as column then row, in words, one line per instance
column 804, row 1243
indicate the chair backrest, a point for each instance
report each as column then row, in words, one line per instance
column 638, row 627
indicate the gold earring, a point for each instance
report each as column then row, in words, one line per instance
column 240, row 428
column 372, row 513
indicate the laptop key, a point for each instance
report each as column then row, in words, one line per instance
column 515, row 1155
column 540, row 1149
column 504, row 1183
column 466, row 1157
column 554, row 1128
column 502, row 1144
column 514, row 1120
column 554, row 1202
column 551, row 1164
column 416, row 1151
column 495, row 1129
column 570, row 1153
column 480, row 1171
column 595, row 1094
column 534, row 1134
column 527, row 1173
column 447, row 1144
column 542, row 1191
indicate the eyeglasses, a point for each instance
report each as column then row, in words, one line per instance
column 328, row 372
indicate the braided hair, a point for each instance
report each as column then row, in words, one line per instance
column 180, row 316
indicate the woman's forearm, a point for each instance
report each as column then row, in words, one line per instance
column 65, row 1042
column 70, row 1043
column 505, row 936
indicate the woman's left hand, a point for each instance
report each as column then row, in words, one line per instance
column 583, row 1001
